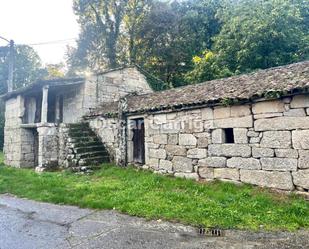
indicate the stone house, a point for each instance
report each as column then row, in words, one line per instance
column 42, row 120
column 250, row 128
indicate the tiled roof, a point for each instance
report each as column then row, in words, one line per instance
column 40, row 83
column 269, row 83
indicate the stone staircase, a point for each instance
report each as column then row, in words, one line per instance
column 87, row 152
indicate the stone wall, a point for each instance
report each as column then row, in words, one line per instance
column 13, row 134
column 48, row 146
column 37, row 144
column 29, row 147
column 20, row 144
column 73, row 104
column 116, row 84
column 107, row 129
column 67, row 157
column 65, row 147
column 107, row 87
column 270, row 147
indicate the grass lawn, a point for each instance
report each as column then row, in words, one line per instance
column 144, row 194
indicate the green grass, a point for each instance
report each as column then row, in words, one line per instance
column 144, row 194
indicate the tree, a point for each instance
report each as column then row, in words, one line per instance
column 55, row 71
column 262, row 34
column 255, row 34
column 161, row 36
column 206, row 68
column 164, row 36
column 100, row 22
column 158, row 51
column 134, row 17
column 172, row 33
column 108, row 33
column 27, row 67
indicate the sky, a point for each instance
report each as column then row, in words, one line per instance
column 40, row 21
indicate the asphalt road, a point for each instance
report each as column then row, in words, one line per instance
column 27, row 224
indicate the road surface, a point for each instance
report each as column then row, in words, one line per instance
column 28, row 224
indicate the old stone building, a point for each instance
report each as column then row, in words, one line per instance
column 251, row 128
column 42, row 120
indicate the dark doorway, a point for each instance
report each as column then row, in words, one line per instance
column 51, row 113
column 36, row 147
column 38, row 109
column 60, row 109
column 139, row 141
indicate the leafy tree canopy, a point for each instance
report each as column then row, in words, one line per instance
column 262, row 34
column 27, row 67
column 188, row 41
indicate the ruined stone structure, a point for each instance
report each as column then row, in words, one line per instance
column 251, row 128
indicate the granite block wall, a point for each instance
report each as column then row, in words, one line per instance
column 13, row 134
column 269, row 146
column 107, row 129
column 97, row 89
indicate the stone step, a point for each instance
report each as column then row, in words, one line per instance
column 96, row 160
column 82, row 133
column 85, row 149
column 89, row 149
column 88, row 144
column 83, row 140
column 78, row 125
column 92, row 154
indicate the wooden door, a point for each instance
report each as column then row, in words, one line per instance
column 139, row 141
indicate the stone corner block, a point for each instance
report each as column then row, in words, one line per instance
column 238, row 122
column 197, row 153
column 262, row 152
column 190, row 176
column 240, row 136
column 160, row 139
column 226, row 173
column 182, row 164
column 166, row 165
column 279, row 164
column 187, row 139
column 218, row 136
column 301, row 178
column 243, row 163
column 213, row 162
column 303, row 161
column 300, row 101
column 229, row 150
column 157, row 153
column 222, row 112
column 276, row 139
column 206, row 173
column 240, row 110
column 270, row 179
column 268, row 107
column 300, row 139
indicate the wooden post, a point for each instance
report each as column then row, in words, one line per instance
column 44, row 105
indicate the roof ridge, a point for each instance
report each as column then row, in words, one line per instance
column 240, row 75
column 269, row 83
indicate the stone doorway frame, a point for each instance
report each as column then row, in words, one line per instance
column 131, row 144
